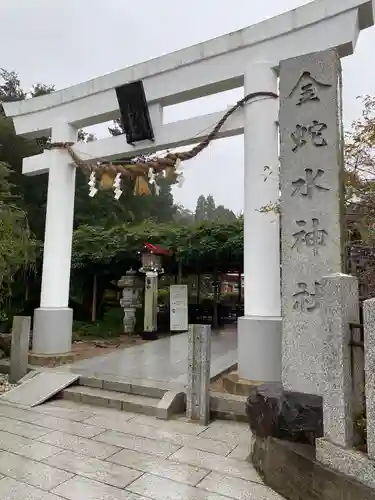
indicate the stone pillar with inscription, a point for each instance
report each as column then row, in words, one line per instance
column 199, row 366
column 311, row 168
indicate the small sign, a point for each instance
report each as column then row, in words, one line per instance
column 178, row 296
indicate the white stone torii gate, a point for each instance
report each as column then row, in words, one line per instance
column 250, row 58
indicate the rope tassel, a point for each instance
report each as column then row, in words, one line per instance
column 141, row 187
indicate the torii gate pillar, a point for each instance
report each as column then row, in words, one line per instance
column 259, row 331
column 54, row 300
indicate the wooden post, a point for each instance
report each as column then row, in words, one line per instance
column 199, row 365
column 215, row 312
column 94, row 298
column 239, row 288
column 179, row 278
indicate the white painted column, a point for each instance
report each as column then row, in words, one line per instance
column 53, row 320
column 259, row 342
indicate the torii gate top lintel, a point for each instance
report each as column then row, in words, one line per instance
column 178, row 76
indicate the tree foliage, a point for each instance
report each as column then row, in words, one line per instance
column 184, row 215
column 360, row 170
column 203, row 246
column 18, row 248
column 206, row 209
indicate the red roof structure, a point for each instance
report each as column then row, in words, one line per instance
column 156, row 249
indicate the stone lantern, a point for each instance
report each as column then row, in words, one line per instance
column 128, row 300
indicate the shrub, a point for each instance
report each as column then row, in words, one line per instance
column 110, row 326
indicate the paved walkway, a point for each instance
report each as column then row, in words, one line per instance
column 62, row 450
column 163, row 360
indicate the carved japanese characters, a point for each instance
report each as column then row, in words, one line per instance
column 310, row 208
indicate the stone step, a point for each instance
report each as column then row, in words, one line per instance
column 228, row 406
column 163, row 408
column 140, row 388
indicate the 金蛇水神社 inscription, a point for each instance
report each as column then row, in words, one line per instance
column 305, row 133
column 311, row 239
column 305, row 186
column 307, row 89
column 304, row 300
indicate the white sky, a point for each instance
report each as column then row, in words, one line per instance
column 64, row 42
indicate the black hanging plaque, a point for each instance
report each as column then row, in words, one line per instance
column 134, row 111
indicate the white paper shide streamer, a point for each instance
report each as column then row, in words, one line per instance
column 152, row 180
column 180, row 173
column 117, row 186
column 92, row 184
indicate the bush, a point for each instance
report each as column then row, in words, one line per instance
column 139, row 319
column 110, row 326
column 229, row 298
column 163, row 296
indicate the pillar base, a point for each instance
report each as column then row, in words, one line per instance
column 259, row 348
column 52, row 331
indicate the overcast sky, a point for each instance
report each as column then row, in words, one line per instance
column 64, row 42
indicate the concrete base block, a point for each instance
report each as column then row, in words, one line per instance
column 52, row 332
column 347, row 461
column 292, row 471
column 170, row 404
column 52, row 360
column 259, row 348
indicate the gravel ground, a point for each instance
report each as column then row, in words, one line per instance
column 4, row 384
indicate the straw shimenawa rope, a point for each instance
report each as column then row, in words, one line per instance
column 138, row 167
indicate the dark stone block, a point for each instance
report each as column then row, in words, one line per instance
column 291, row 470
column 5, row 343
column 149, row 336
column 285, row 415
column 281, row 461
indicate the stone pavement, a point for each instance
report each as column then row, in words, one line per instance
column 63, row 450
column 163, row 360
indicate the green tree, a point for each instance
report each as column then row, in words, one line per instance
column 183, row 215
column 17, row 246
column 31, row 191
column 210, row 208
column 360, row 192
column 223, row 214
column 200, row 210
column 10, row 90
column 39, row 89
column 206, row 209
column 205, row 248
column 360, row 170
